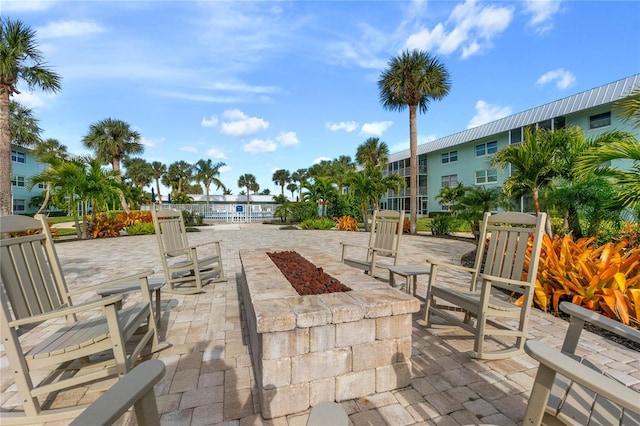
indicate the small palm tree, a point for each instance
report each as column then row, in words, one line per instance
column 300, row 176
column 49, row 151
column 413, row 79
column 248, row 181
column 20, row 62
column 158, row 170
column 321, row 191
column 292, row 187
column 340, row 169
column 207, row 173
column 113, row 140
column 281, row 177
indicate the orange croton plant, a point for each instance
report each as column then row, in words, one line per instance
column 602, row 278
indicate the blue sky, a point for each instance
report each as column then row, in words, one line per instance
column 274, row 85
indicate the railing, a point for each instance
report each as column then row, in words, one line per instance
column 228, row 213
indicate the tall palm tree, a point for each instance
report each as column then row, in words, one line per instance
column 372, row 153
column 300, row 176
column 532, row 165
column 414, row 78
column 112, row 140
column 248, row 181
column 24, row 128
column 207, row 173
column 292, row 187
column 281, row 177
column 138, row 170
column 49, row 151
column 178, row 175
column 340, row 169
column 20, row 61
column 158, row 170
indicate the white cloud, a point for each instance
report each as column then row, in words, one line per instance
column 216, row 153
column 321, row 159
column 224, row 169
column 148, row 142
column 563, row 78
column 188, row 149
column 209, row 122
column 486, row 113
column 471, row 27
column 542, row 13
column 26, row 5
column 347, row 126
column 257, row 146
column 376, row 128
column 288, row 139
column 29, row 100
column 69, row 29
column 238, row 123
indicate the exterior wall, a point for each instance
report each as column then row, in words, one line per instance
column 21, row 172
column 468, row 163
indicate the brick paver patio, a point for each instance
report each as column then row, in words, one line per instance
column 209, row 378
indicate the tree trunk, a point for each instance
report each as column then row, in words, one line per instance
column 159, row 200
column 413, row 168
column 46, row 198
column 5, row 155
column 116, row 166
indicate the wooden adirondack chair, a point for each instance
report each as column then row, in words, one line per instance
column 184, row 267
column 570, row 390
column 90, row 345
column 384, row 242
column 135, row 389
column 500, row 262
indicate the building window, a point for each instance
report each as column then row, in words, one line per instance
column 449, row 181
column 18, row 205
column 559, row 123
column 515, row 135
column 17, row 180
column 600, row 120
column 486, row 148
column 18, row 157
column 41, row 185
column 486, row 176
column 449, row 157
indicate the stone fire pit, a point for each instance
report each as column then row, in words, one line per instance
column 327, row 347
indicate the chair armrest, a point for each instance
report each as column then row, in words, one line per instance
column 136, row 387
column 501, row 280
column 139, row 276
column 452, row 266
column 208, row 243
column 82, row 307
column 364, row 246
column 585, row 376
column 601, row 321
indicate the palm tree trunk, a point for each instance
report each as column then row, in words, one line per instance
column 46, row 199
column 536, row 202
column 116, row 166
column 413, row 168
column 159, row 200
column 5, row 155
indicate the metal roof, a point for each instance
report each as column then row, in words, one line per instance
column 588, row 99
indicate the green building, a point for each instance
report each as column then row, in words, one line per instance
column 464, row 157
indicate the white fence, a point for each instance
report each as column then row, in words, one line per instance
column 228, row 213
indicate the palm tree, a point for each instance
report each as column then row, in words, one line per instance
column 362, row 189
column 340, row 169
column 178, row 175
column 413, row 79
column 612, row 146
column 248, row 181
column 532, row 165
column 112, row 140
column 372, row 153
column 139, row 171
column 49, row 151
column 24, row 128
column 158, row 170
column 292, row 187
column 207, row 173
column 630, row 107
column 281, row 177
column 321, row 191
column 300, row 176
column 20, row 61
column 474, row 202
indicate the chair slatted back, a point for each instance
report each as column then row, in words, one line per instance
column 170, row 230
column 507, row 238
column 30, row 269
column 386, row 230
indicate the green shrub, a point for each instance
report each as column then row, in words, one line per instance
column 192, row 218
column 442, row 225
column 321, row 223
column 140, row 229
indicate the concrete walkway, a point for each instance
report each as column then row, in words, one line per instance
column 209, row 378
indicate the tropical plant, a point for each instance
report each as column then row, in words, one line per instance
column 281, row 177
column 347, row 223
column 475, row 201
column 138, row 171
column 21, row 61
column 363, row 190
column 629, row 107
column 207, row 172
column 449, row 195
column 532, row 165
column 321, row 191
column 372, row 153
column 292, row 187
column 248, row 181
column 300, row 176
column 321, row 223
column 604, row 278
column 182, row 198
column 339, row 170
column 413, row 79
column 49, row 151
column 178, row 174
column 113, row 140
